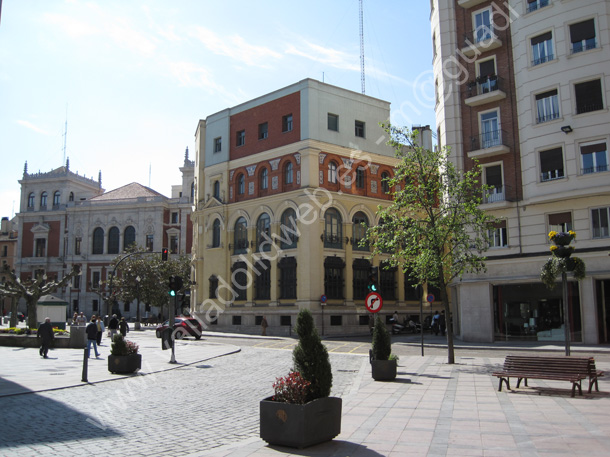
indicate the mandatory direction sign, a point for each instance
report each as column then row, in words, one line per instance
column 373, row 302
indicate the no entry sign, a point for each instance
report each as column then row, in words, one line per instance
column 373, row 302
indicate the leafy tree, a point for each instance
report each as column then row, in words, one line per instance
column 434, row 228
column 153, row 274
column 31, row 290
column 310, row 357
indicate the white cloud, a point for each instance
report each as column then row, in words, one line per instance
column 69, row 25
column 332, row 57
column 31, row 126
column 235, row 47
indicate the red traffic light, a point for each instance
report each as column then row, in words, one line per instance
column 164, row 254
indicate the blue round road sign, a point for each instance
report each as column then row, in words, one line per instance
column 430, row 298
column 323, row 298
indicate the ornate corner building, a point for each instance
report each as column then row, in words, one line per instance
column 285, row 187
column 523, row 87
column 67, row 219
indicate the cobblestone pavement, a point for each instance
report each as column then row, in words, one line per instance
column 193, row 408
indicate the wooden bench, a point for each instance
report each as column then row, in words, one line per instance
column 572, row 369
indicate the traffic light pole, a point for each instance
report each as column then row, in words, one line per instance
column 171, row 323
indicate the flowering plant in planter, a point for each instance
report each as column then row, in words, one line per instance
column 121, row 347
column 291, row 389
column 561, row 261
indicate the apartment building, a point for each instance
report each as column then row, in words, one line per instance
column 523, row 87
column 286, row 185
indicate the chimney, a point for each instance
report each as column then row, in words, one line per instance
column 4, row 226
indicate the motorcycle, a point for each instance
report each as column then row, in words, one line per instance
column 407, row 326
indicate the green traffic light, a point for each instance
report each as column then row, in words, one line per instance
column 172, row 293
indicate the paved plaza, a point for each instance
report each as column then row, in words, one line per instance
column 208, row 404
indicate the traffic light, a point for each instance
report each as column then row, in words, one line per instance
column 175, row 285
column 164, row 253
column 373, row 279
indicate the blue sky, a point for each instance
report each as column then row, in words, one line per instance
column 134, row 77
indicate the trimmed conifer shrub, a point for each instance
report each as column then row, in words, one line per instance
column 310, row 357
column 382, row 344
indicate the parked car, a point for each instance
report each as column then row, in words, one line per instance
column 20, row 316
column 183, row 326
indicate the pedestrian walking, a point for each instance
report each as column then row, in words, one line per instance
column 113, row 326
column 435, row 322
column 123, row 327
column 442, row 323
column 45, row 336
column 100, row 329
column 92, row 336
column 81, row 320
column 264, row 326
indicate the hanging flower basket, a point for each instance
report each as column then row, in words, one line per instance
column 562, row 251
column 562, row 238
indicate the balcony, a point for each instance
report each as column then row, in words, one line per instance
column 484, row 89
column 536, row 5
column 488, row 144
column 551, row 175
column 588, row 107
column 584, row 45
column 495, row 195
column 594, row 169
column 480, row 40
column 470, row 3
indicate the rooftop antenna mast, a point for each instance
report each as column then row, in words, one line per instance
column 65, row 134
column 361, row 48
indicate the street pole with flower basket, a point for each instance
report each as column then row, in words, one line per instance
column 562, row 262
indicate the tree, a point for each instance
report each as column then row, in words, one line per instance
column 31, row 290
column 153, row 274
column 434, row 228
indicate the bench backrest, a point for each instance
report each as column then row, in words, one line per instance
column 566, row 365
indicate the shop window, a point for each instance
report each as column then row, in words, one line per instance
column 551, row 164
column 288, row 277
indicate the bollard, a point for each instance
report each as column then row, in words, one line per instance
column 85, row 363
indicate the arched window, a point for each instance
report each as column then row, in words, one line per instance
column 217, row 190
column 264, row 179
column 289, row 233
column 361, row 223
column 333, row 229
column 332, row 172
column 43, row 200
column 129, row 237
column 31, row 200
column 56, row 197
column 98, row 241
column 71, row 197
column 113, row 240
column 263, row 233
column 192, row 190
column 216, row 233
column 385, row 186
column 240, row 236
column 241, row 184
column 288, row 173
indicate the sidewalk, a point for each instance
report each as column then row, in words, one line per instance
column 64, row 367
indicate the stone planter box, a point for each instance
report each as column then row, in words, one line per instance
column 31, row 341
column 124, row 364
column 383, row 370
column 300, row 426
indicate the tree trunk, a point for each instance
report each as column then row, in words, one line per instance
column 14, row 303
column 448, row 322
column 32, row 321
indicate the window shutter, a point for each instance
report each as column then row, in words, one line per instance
column 542, row 38
column 548, row 94
column 592, row 148
column 582, row 31
column 560, row 218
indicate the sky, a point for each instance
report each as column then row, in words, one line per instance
column 128, row 80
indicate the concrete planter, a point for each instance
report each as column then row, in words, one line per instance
column 31, row 341
column 383, row 370
column 300, row 426
column 124, row 364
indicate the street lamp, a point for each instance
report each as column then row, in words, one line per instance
column 137, row 324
